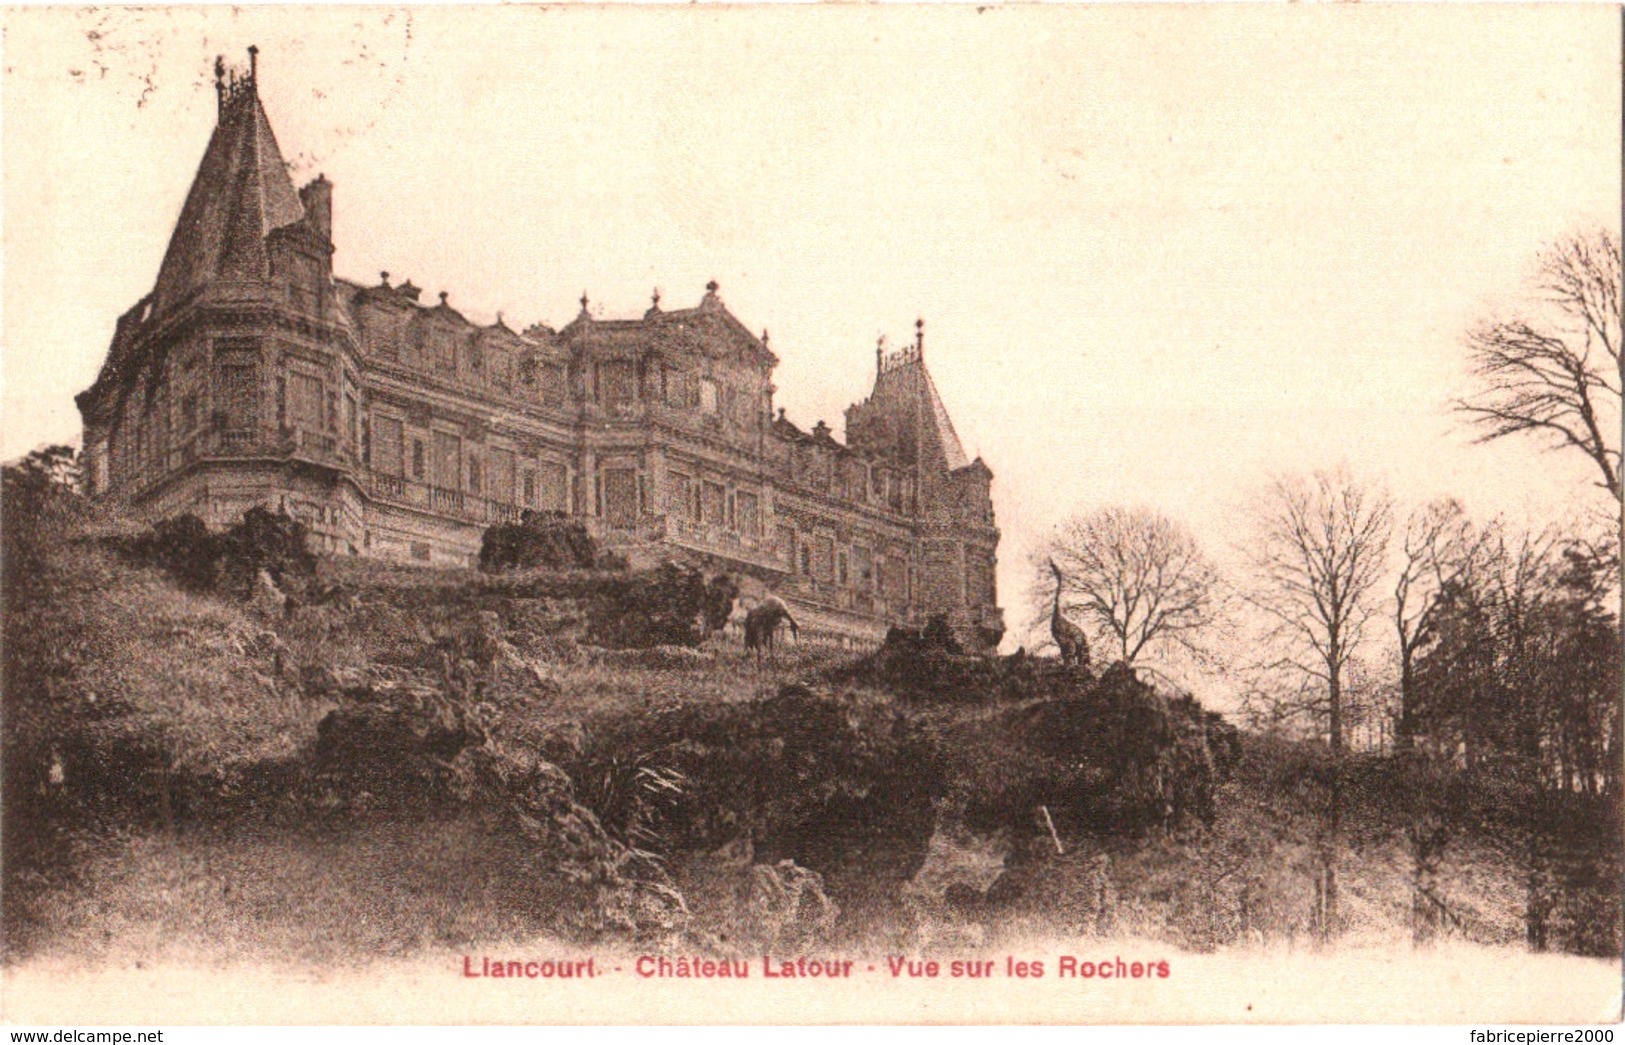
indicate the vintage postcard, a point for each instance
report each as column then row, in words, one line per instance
column 812, row 514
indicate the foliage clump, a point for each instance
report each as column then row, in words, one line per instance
column 671, row 605
column 1112, row 758
column 540, row 540
column 40, row 498
column 200, row 560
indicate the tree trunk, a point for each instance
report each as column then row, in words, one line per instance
column 1538, row 891
column 1335, row 696
column 1330, row 926
column 1536, row 900
column 1407, row 698
column 1326, row 887
column 1429, row 831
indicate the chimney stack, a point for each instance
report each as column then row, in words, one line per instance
column 318, row 200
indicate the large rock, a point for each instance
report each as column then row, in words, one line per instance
column 393, row 752
column 837, row 783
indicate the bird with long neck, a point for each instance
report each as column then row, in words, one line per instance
column 1069, row 638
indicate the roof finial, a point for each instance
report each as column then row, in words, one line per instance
column 919, row 336
column 220, row 84
column 583, row 301
column 253, row 62
column 655, row 297
column 712, row 287
column 383, row 278
column 443, row 297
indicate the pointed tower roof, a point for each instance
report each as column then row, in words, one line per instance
column 905, row 390
column 240, row 194
column 953, row 451
column 905, row 394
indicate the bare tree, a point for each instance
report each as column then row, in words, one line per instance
column 1317, row 555
column 1139, row 581
column 1316, row 559
column 1555, row 371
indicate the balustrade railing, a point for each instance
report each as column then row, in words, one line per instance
column 236, row 442
column 391, row 487
column 501, row 512
column 199, row 445
column 442, row 500
column 446, row 500
column 318, row 443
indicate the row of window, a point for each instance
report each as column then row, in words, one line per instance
column 614, row 383
column 851, row 479
column 441, row 460
column 861, row 567
column 711, row 503
column 446, row 352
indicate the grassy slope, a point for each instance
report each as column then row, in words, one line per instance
column 202, row 674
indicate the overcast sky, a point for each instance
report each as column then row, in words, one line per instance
column 1160, row 252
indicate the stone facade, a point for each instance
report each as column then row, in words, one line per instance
column 399, row 428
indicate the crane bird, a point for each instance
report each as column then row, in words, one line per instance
column 1069, row 638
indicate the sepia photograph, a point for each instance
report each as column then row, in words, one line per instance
column 811, row 514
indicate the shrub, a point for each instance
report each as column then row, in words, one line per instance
column 1109, row 757
column 264, row 540
column 720, row 593
column 184, row 548
column 541, row 540
column 660, row 607
column 395, row 750
column 200, row 561
column 40, row 498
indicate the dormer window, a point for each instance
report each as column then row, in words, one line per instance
column 617, row 382
column 681, row 389
column 708, row 395
column 444, row 350
column 554, row 388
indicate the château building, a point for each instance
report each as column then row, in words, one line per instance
column 396, row 427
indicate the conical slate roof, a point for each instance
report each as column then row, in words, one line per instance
column 905, row 390
column 240, row 194
column 953, row 451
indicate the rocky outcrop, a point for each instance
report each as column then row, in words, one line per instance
column 837, row 783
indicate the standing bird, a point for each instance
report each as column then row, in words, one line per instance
column 762, row 621
column 1068, row 636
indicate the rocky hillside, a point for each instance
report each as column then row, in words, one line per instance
column 403, row 733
